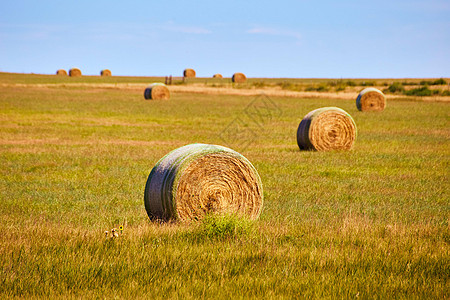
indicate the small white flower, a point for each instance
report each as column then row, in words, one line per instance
column 114, row 232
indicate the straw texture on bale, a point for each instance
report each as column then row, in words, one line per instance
column 199, row 179
column 74, row 72
column 61, row 72
column 157, row 91
column 217, row 76
column 238, row 78
column 189, row 73
column 371, row 99
column 105, row 72
column 325, row 129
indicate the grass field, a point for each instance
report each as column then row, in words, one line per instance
column 369, row 223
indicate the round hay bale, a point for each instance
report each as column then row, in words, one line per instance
column 325, row 129
column 74, row 72
column 61, row 72
column 238, row 78
column 105, row 72
column 217, row 76
column 199, row 179
column 157, row 91
column 189, row 73
column 371, row 99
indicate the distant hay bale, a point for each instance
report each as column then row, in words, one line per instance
column 325, row 129
column 74, row 72
column 238, row 78
column 371, row 99
column 61, row 72
column 217, row 76
column 189, row 73
column 199, row 179
column 157, row 91
column 105, row 72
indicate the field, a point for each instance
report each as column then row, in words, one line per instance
column 76, row 152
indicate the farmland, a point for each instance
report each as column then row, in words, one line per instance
column 76, row 152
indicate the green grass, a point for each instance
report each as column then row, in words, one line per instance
column 395, row 88
column 223, row 227
column 369, row 223
column 422, row 91
column 13, row 78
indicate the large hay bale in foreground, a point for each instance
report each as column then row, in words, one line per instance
column 198, row 179
column 105, row 72
column 238, row 78
column 74, row 72
column 157, row 91
column 61, row 72
column 371, row 99
column 325, row 129
column 217, row 76
column 189, row 73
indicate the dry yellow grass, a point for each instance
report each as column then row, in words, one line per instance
column 157, row 91
column 326, row 129
column 206, row 179
column 74, row 72
column 189, row 73
column 105, row 72
column 239, row 78
column 371, row 99
column 373, row 221
column 201, row 88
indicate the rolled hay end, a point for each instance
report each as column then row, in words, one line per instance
column 197, row 180
column 74, row 72
column 371, row 99
column 217, row 76
column 326, row 129
column 238, row 78
column 157, row 91
column 61, row 72
column 189, row 73
column 105, row 72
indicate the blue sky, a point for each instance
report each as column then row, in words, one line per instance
column 309, row 38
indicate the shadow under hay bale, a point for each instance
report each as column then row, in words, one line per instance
column 325, row 129
column 371, row 99
column 217, row 76
column 105, row 72
column 238, row 78
column 157, row 91
column 74, row 72
column 198, row 180
column 61, row 72
column 189, row 73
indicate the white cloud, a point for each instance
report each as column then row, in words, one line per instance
column 430, row 5
column 274, row 31
column 29, row 31
column 185, row 29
